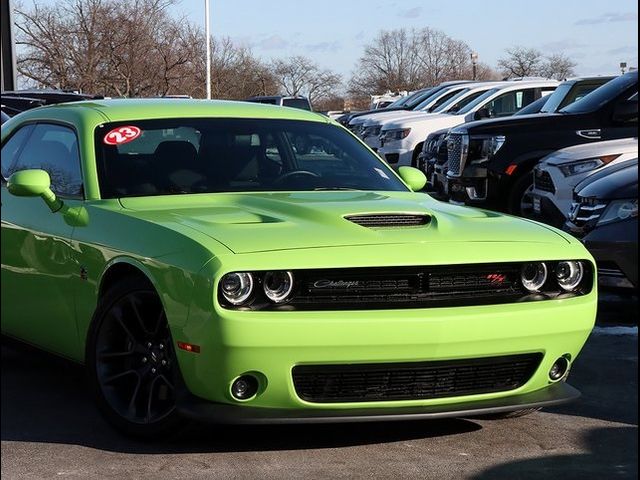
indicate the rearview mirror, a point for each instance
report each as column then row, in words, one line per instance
column 413, row 177
column 34, row 183
column 625, row 111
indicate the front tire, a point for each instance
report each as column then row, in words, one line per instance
column 520, row 202
column 131, row 362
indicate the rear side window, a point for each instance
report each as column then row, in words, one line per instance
column 510, row 102
column 296, row 103
column 54, row 149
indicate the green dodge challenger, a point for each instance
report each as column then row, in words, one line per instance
column 244, row 263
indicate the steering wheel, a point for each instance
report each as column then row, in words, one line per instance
column 286, row 176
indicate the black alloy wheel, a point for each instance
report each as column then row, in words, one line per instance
column 131, row 361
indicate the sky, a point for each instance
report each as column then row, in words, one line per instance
column 597, row 35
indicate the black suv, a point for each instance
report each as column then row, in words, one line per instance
column 490, row 162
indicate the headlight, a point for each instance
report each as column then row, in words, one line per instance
column 482, row 149
column 583, row 166
column 533, row 276
column 397, row 134
column 569, row 274
column 237, row 287
column 371, row 131
column 278, row 286
column 619, row 210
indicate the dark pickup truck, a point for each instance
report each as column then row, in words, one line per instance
column 490, row 162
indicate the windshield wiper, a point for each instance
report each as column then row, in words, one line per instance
column 337, row 188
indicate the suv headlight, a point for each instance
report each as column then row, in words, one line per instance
column 575, row 168
column 371, row 131
column 619, row 210
column 395, row 134
column 482, row 149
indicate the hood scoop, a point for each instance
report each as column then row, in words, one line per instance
column 390, row 220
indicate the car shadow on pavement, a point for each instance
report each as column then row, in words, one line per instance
column 612, row 453
column 45, row 399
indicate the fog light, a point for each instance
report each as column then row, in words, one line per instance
column 559, row 369
column 244, row 387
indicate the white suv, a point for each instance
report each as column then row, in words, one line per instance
column 401, row 140
column 559, row 172
column 447, row 103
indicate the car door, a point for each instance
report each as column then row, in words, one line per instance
column 38, row 268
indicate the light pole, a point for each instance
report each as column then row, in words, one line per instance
column 474, row 64
column 207, row 34
column 623, row 66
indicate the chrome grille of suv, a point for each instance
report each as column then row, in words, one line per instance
column 456, row 154
column 584, row 214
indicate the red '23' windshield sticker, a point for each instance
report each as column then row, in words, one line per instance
column 122, row 135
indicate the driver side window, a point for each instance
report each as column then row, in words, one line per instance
column 52, row 148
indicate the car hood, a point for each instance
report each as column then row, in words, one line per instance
column 615, row 183
column 592, row 150
column 255, row 222
column 380, row 116
column 440, row 120
column 398, row 115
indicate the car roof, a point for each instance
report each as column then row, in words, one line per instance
column 118, row 110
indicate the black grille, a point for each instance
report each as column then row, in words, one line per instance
column 408, row 287
column 389, row 220
column 413, row 381
column 542, row 180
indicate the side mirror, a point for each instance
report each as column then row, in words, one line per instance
column 34, row 183
column 413, row 177
column 483, row 113
column 625, row 111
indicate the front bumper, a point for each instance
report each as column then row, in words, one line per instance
column 615, row 248
column 396, row 155
column 195, row 408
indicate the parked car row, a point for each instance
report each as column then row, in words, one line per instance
column 568, row 159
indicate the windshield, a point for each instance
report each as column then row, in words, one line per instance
column 418, row 100
column 554, row 100
column 459, row 101
column 302, row 103
column 604, row 94
column 479, row 100
column 175, row 156
column 439, row 99
column 406, row 99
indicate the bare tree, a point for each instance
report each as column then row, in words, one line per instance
column 299, row 75
column 524, row 62
column 409, row 59
column 558, row 66
column 521, row 62
column 131, row 48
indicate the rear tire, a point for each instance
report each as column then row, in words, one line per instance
column 131, row 363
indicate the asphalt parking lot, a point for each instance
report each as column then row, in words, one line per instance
column 50, row 429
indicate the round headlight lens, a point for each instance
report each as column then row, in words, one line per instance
column 236, row 287
column 569, row 274
column 533, row 276
column 278, row 286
